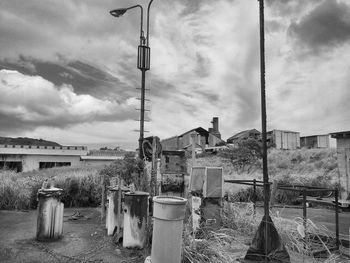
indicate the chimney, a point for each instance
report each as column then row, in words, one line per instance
column 215, row 123
column 215, row 129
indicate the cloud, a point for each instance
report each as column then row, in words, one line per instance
column 327, row 26
column 79, row 64
column 31, row 101
column 84, row 77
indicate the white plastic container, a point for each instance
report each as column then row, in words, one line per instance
column 168, row 215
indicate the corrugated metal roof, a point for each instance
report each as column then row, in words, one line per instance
column 341, row 134
column 100, row 158
column 243, row 134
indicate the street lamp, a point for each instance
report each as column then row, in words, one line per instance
column 143, row 62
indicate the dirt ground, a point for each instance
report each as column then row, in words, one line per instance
column 84, row 240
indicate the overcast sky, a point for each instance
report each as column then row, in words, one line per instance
column 68, row 69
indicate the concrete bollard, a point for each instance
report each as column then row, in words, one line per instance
column 135, row 219
column 50, row 214
column 168, row 214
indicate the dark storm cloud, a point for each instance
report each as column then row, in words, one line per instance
column 326, row 26
column 85, row 78
column 32, row 101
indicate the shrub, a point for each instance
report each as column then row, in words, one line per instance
column 244, row 156
column 130, row 169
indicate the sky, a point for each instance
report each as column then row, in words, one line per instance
column 68, row 68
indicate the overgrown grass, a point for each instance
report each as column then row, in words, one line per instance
column 81, row 187
column 313, row 167
column 240, row 224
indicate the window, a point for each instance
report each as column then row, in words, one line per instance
column 46, row 165
column 14, row 166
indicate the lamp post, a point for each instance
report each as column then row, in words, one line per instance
column 143, row 62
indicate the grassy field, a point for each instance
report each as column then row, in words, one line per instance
column 310, row 167
column 81, row 185
column 314, row 167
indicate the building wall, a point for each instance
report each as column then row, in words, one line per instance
column 286, row 140
column 213, row 140
column 343, row 156
column 96, row 162
column 170, row 144
column 317, row 141
column 32, row 162
column 323, row 141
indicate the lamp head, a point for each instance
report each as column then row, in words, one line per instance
column 118, row 12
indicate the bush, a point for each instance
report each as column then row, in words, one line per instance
column 130, row 169
column 245, row 156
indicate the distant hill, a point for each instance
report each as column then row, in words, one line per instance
column 26, row 141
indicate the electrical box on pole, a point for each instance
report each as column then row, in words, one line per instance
column 143, row 57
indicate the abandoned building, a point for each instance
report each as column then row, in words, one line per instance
column 204, row 139
column 244, row 135
column 315, row 141
column 284, row 140
column 24, row 158
column 343, row 158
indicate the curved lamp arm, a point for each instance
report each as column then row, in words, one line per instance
column 121, row 11
column 147, row 38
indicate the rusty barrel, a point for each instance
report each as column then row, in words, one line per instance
column 135, row 219
column 168, row 215
column 50, row 214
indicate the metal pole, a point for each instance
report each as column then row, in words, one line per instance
column 149, row 6
column 142, row 112
column 336, row 219
column 154, row 167
column 254, row 197
column 263, row 121
column 304, row 210
column 263, row 109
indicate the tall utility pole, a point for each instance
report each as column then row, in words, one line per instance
column 143, row 63
column 266, row 245
column 263, row 110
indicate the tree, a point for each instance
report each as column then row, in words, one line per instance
column 130, row 169
column 245, row 155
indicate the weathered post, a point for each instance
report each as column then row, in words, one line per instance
column 50, row 214
column 304, row 211
column 193, row 142
column 135, row 219
column 103, row 198
column 336, row 218
column 254, row 197
column 114, row 216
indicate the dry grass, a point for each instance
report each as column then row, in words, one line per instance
column 239, row 227
column 19, row 190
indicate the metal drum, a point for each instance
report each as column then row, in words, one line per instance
column 135, row 219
